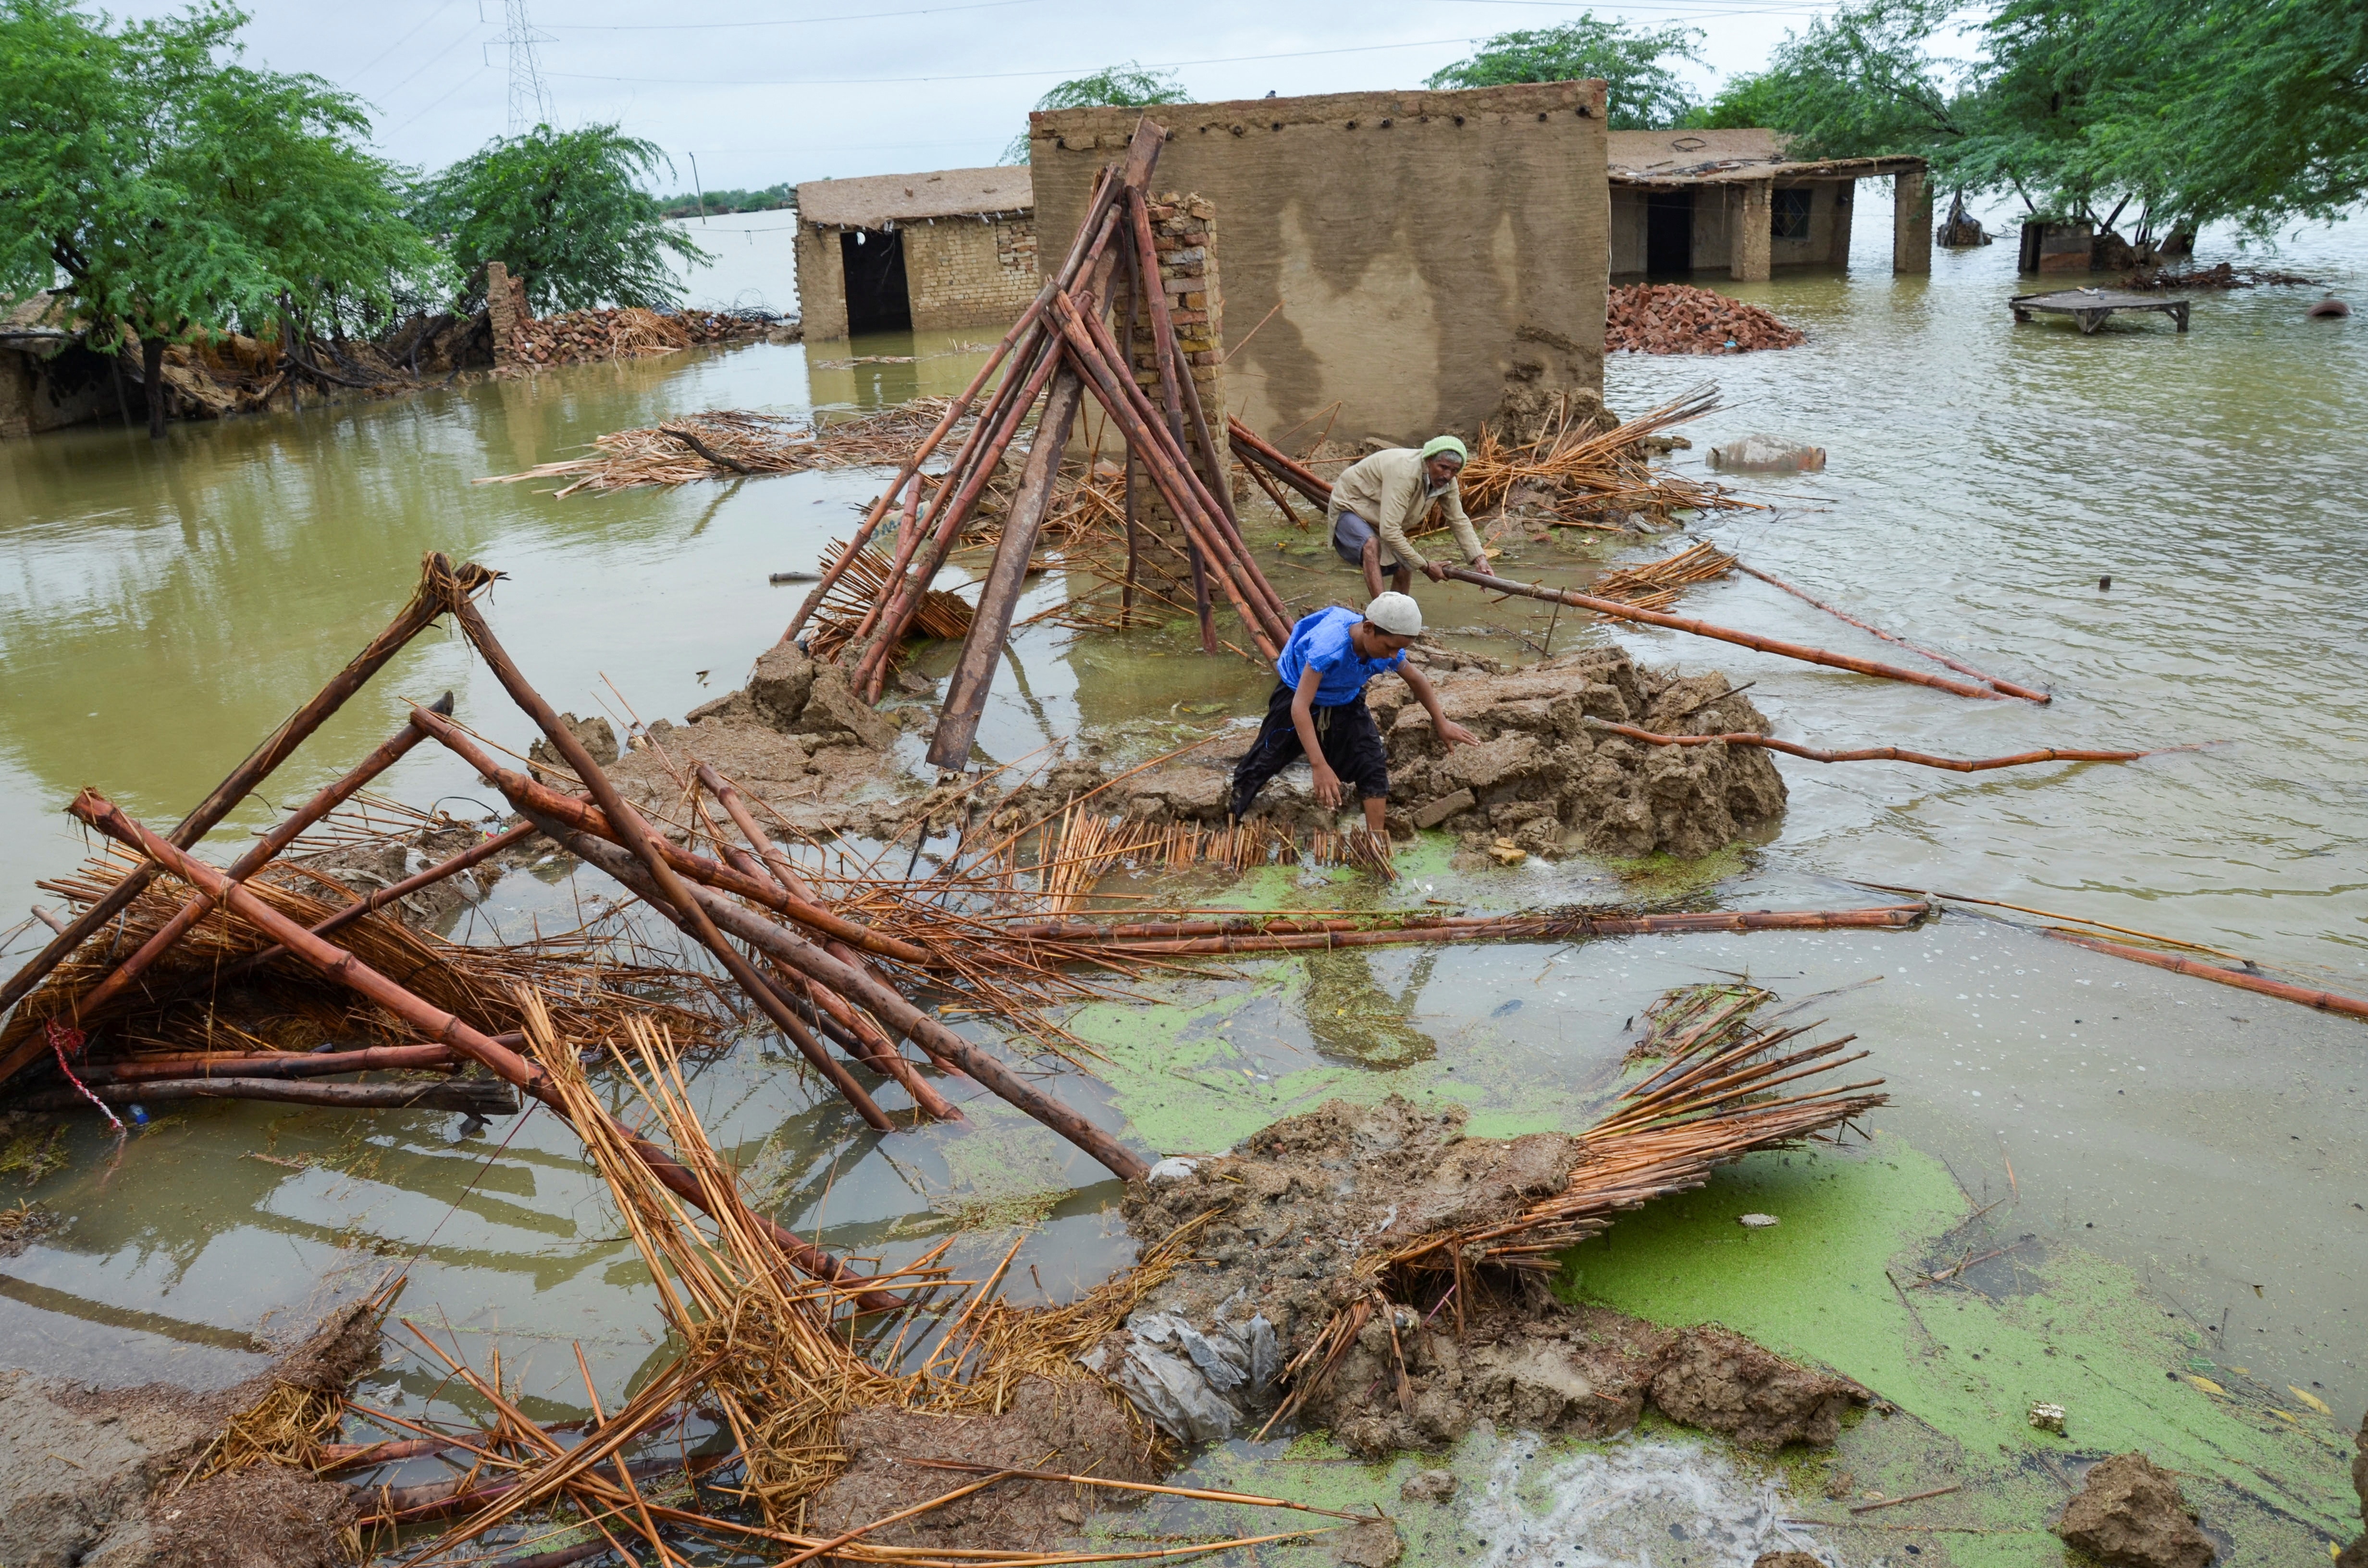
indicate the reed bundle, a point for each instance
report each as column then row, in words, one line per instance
column 777, row 1361
column 857, row 579
column 735, row 443
column 1596, row 478
column 1655, row 584
column 593, row 975
column 1593, row 477
column 1713, row 1102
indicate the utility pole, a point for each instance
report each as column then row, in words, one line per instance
column 529, row 100
column 696, row 189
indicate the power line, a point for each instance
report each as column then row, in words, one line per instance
column 782, row 22
column 995, row 76
column 398, row 43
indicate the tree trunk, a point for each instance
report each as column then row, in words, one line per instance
column 152, row 366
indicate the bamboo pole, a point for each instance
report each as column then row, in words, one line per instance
column 523, row 792
column 439, row 581
column 851, row 1028
column 1873, row 754
column 1723, row 634
column 1519, row 928
column 909, row 471
column 289, row 1064
column 1233, row 556
column 1299, row 477
column 477, row 1097
column 941, row 1043
column 2325, row 1001
column 432, row 1022
column 2009, row 687
column 1175, row 486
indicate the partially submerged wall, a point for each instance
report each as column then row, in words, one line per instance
column 960, row 272
column 1409, row 255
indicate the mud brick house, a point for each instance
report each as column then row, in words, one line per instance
column 889, row 252
column 1410, row 257
column 1687, row 201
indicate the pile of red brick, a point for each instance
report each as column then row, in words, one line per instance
column 580, row 336
column 1676, row 318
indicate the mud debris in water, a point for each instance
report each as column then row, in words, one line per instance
column 1301, row 1200
column 2129, row 1513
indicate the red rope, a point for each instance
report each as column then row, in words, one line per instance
column 62, row 1039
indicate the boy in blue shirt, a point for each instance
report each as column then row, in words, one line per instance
column 1317, row 708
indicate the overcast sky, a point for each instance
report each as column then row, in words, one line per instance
column 770, row 90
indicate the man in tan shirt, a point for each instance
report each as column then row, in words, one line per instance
column 1377, row 500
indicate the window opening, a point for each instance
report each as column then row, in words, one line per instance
column 1788, row 215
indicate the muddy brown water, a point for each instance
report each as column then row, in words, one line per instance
column 164, row 604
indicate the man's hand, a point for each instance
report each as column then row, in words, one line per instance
column 1434, row 570
column 1480, row 563
column 1328, row 792
column 1454, row 735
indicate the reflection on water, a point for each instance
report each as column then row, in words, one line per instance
column 164, row 604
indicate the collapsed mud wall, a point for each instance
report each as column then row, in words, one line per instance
column 1409, row 255
column 1540, row 776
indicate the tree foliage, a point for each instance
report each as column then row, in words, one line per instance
column 178, row 193
column 709, row 203
column 1127, row 86
column 563, row 210
column 2254, row 111
column 1645, row 92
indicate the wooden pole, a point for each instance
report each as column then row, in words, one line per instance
column 432, row 1022
column 440, row 580
column 626, row 823
column 1007, row 577
column 1300, row 478
column 1723, row 634
column 526, row 794
column 1871, row 753
column 1023, row 331
column 1174, row 484
column 2325, row 1001
column 283, row 1064
column 1276, row 936
column 477, row 1096
column 885, row 1003
column 1962, row 668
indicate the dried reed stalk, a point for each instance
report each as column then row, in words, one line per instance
column 1710, row 1104
column 734, row 443
column 1656, row 584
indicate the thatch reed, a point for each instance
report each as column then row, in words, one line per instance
column 734, row 443
column 1656, row 584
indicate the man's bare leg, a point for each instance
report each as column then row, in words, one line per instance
column 1372, row 565
column 1376, row 806
column 1401, row 579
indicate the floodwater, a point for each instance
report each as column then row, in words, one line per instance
column 2181, row 1162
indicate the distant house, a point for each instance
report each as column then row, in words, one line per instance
column 892, row 253
column 1687, row 202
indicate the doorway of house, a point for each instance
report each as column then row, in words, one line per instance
column 876, row 296
column 1669, row 232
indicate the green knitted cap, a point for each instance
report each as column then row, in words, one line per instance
column 1439, row 444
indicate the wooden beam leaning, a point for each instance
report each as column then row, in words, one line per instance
column 2009, row 687
column 1721, row 633
column 437, row 1025
column 440, row 583
column 1113, row 387
column 635, row 834
column 524, row 793
column 1007, row 577
column 884, row 1003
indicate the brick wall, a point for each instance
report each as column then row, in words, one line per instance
column 1184, row 233
column 962, row 272
column 958, row 272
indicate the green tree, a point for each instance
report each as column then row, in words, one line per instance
column 1645, row 93
column 1862, row 83
column 1128, row 86
column 174, row 193
column 1745, row 102
column 563, row 210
